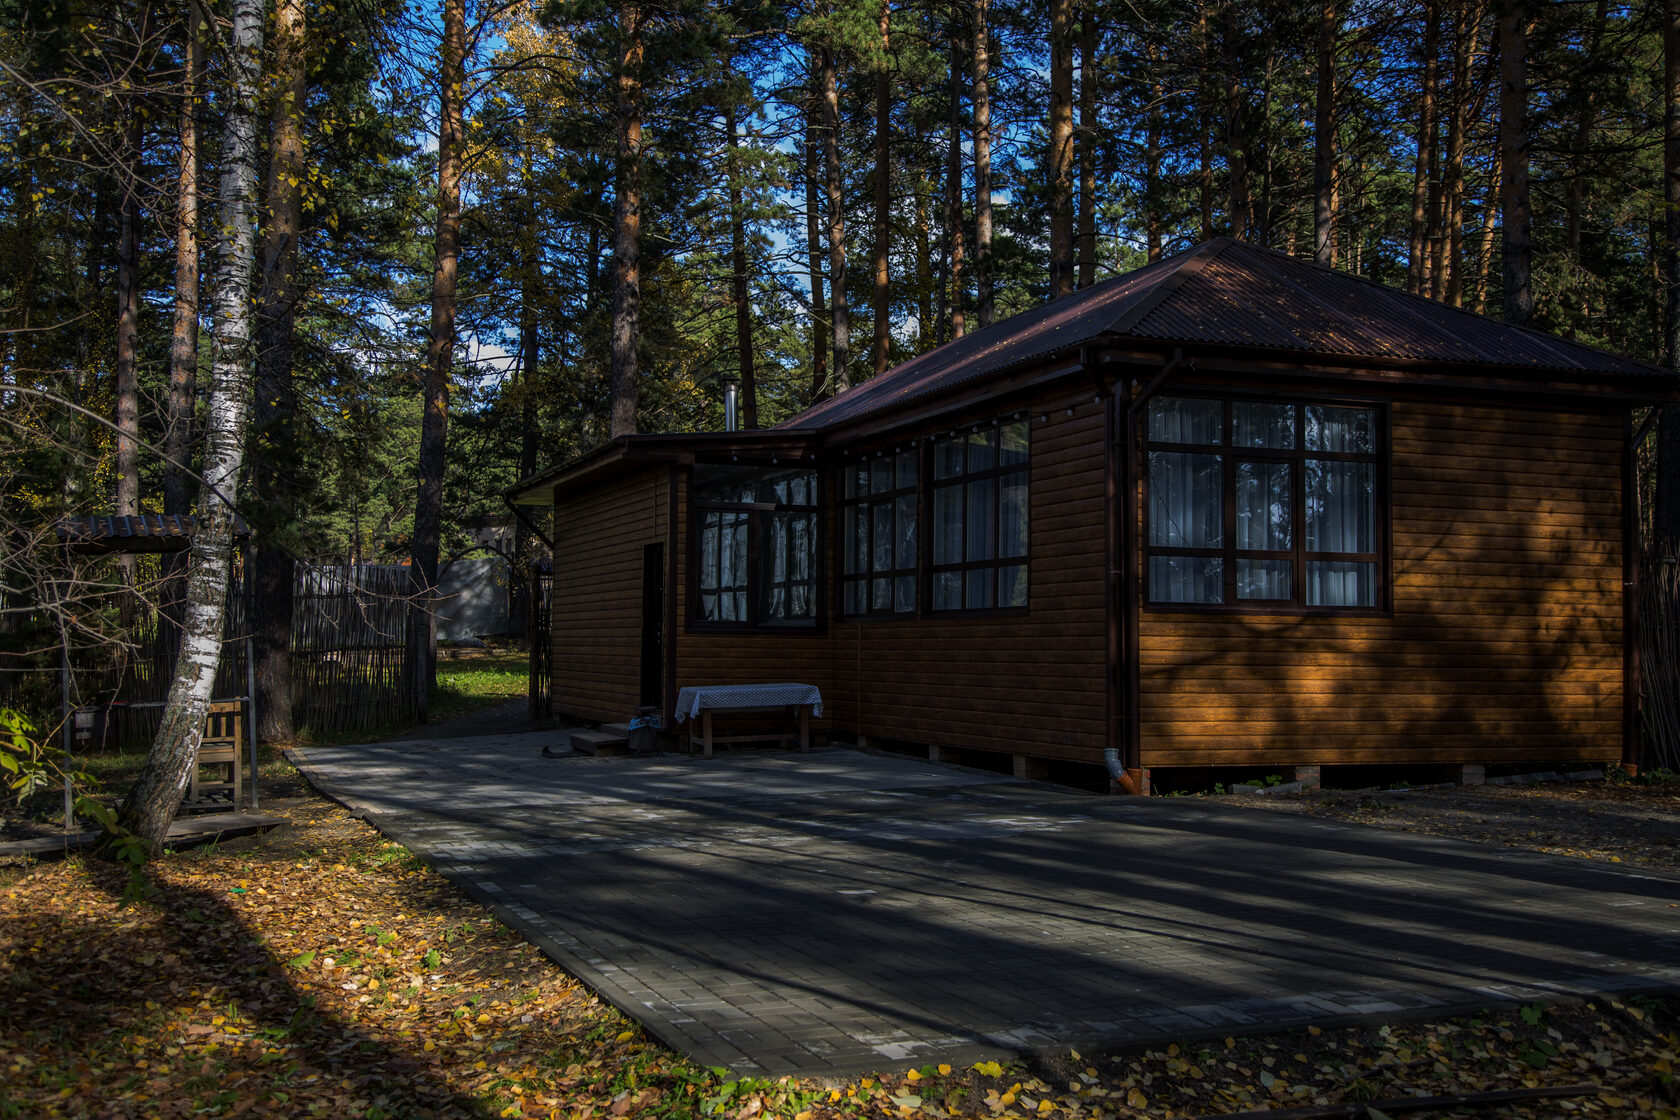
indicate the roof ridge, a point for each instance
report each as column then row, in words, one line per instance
column 1194, row 260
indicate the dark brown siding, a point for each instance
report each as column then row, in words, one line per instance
column 1506, row 637
column 1027, row 683
column 598, row 540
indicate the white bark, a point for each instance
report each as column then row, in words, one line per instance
column 152, row 803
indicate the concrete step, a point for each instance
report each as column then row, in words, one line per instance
column 602, row 742
column 622, row 730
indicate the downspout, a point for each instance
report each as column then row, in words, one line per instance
column 1125, row 761
column 1632, row 547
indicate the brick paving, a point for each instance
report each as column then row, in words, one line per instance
column 837, row 912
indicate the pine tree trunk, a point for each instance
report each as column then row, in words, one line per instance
column 627, row 225
column 883, row 197
column 1204, row 124
column 126, row 499
column 1060, row 164
column 1236, row 140
column 814, row 243
column 276, row 451
column 1666, row 524
column 1086, row 147
column 740, row 290
column 954, row 186
column 1324, row 138
column 1152, row 161
column 440, row 356
column 984, row 305
column 1575, row 200
column 836, row 221
column 1513, row 151
column 152, row 801
column 1489, row 237
column 183, row 342
column 1423, row 168
column 926, row 321
column 1466, row 21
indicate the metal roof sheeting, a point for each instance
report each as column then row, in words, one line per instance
column 145, row 532
column 1229, row 293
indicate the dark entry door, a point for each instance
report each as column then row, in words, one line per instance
column 653, row 629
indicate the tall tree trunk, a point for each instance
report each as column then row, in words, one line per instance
column 1489, row 236
column 1204, row 122
column 440, row 356
column 276, row 452
column 1585, row 118
column 984, row 306
column 1060, row 166
column 156, row 794
column 739, row 289
column 1152, row 161
column 814, row 243
column 1086, row 146
column 1263, row 213
column 1466, row 22
column 179, row 413
column 1513, row 152
column 1666, row 524
column 526, row 367
column 880, row 304
column 1324, row 138
column 954, row 185
column 126, row 500
column 926, row 321
column 627, row 224
column 1236, row 142
column 1423, row 168
column 836, row 220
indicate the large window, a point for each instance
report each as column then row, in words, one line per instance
column 756, row 545
column 978, row 533
column 1264, row 503
column 878, row 517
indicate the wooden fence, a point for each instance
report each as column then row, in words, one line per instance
column 350, row 648
column 1659, row 660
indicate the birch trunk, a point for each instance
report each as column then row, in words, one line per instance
column 151, row 803
column 984, row 299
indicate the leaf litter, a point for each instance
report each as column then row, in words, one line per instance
column 322, row 971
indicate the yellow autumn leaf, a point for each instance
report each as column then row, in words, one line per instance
column 1136, row 1099
column 944, row 1070
column 625, row 1036
column 988, row 1069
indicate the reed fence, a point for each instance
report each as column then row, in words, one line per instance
column 1659, row 659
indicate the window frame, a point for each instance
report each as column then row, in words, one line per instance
column 870, row 500
column 1380, row 459
column 931, row 486
column 760, row 563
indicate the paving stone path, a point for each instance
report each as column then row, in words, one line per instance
column 837, row 912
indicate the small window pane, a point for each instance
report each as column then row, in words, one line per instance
column 849, row 534
column 982, row 450
column 1186, row 420
column 981, row 522
column 1012, row 585
column 905, row 548
column 947, row 525
column 1341, row 503
column 883, row 537
column 880, row 598
column 848, row 483
column 1254, row 424
column 1265, row 579
column 1351, row 430
column 1186, row 579
column 1012, row 521
column 859, row 479
column 906, row 470
column 947, row 591
column 1264, row 502
column 881, row 471
column 1012, row 443
column 979, row 589
column 1186, row 509
column 849, row 597
column 904, row 595
column 948, row 458
column 1341, row 583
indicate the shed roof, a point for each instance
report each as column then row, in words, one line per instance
column 1229, row 293
column 144, row 532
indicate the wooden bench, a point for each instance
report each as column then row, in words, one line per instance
column 223, row 745
column 799, row 701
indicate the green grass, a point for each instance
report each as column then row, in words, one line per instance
column 467, row 684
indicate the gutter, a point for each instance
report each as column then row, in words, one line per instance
column 1124, row 759
column 1632, row 548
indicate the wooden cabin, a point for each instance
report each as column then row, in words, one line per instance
column 1230, row 510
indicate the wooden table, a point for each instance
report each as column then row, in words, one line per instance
column 697, row 703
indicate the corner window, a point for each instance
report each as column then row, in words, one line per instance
column 980, row 516
column 755, row 534
column 1263, row 503
column 878, row 518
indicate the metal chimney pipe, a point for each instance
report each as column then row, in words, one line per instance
column 731, row 406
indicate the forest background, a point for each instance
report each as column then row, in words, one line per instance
column 493, row 234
